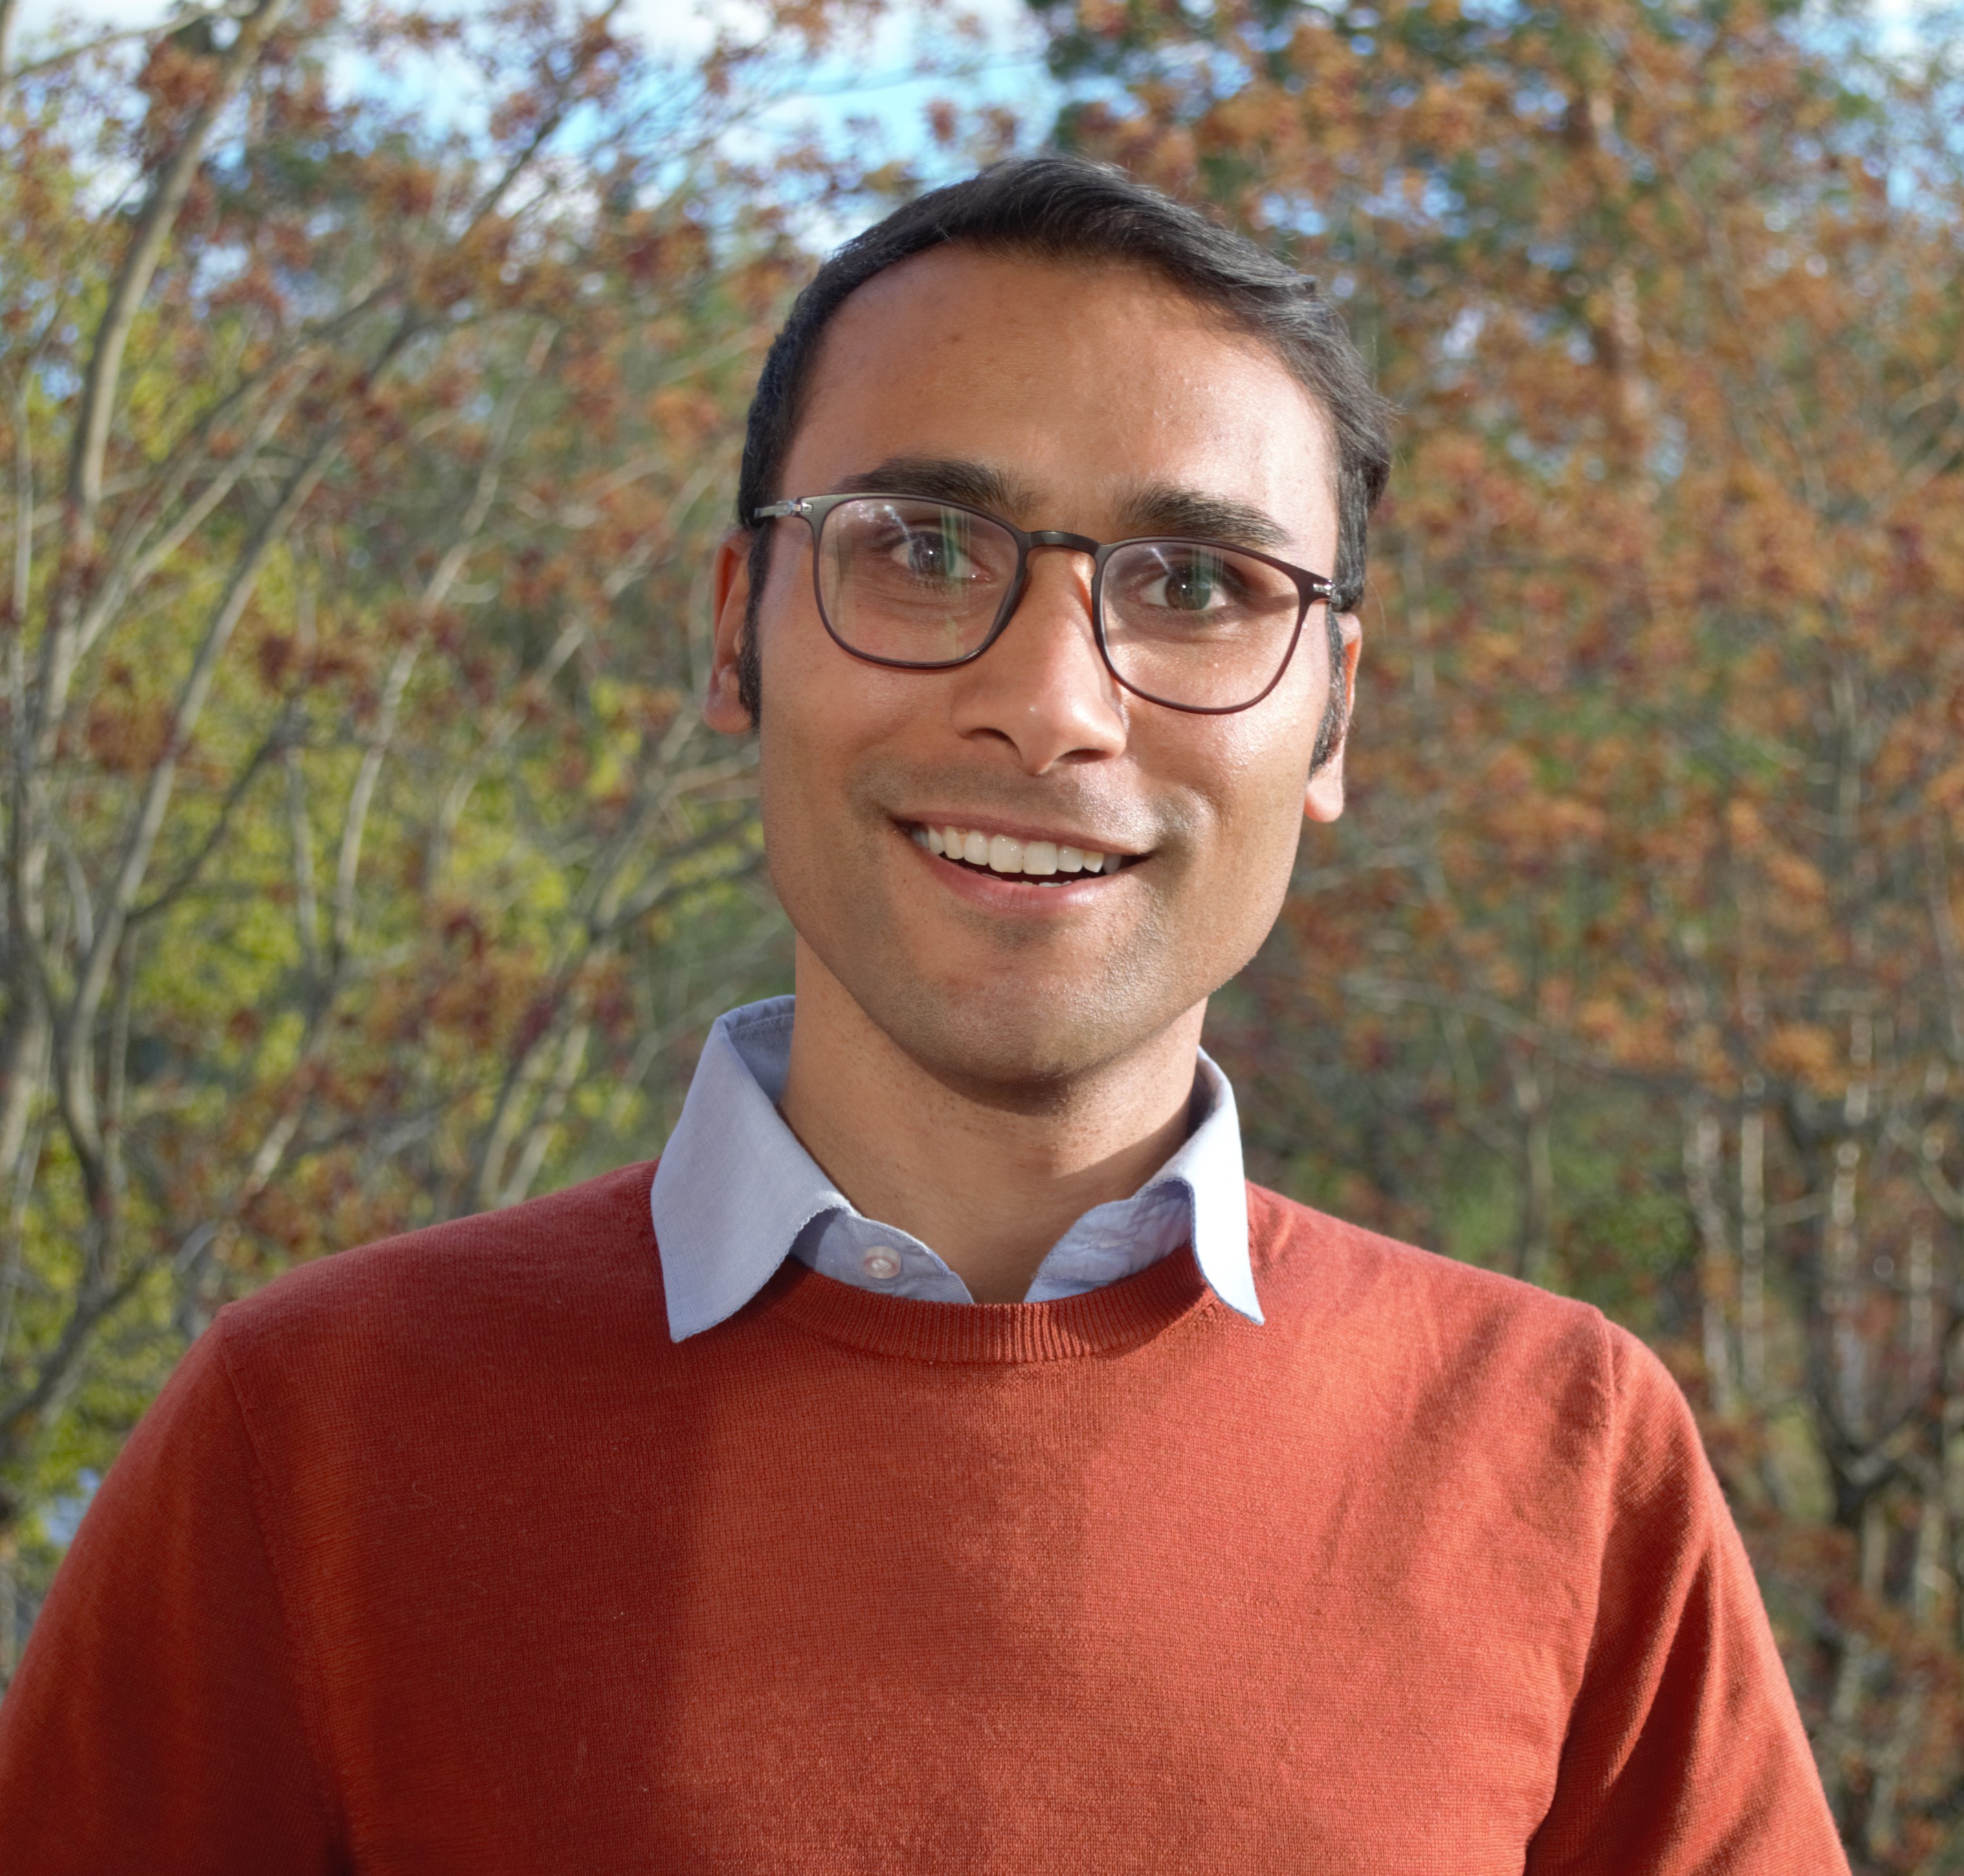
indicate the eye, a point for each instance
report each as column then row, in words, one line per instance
column 1193, row 587
column 930, row 550
column 934, row 554
column 1191, row 581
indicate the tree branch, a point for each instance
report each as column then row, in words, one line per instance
column 139, row 263
column 49, row 61
column 455, row 558
column 20, row 1411
column 277, row 739
column 78, row 1023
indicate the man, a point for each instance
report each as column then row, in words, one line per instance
column 944, row 1462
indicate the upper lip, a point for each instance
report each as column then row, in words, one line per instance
column 991, row 825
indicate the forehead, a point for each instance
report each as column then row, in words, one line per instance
column 1084, row 383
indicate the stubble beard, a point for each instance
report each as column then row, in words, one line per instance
column 1027, row 1041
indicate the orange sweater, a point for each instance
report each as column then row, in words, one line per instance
column 442, row 1556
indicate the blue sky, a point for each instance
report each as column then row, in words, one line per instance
column 877, row 80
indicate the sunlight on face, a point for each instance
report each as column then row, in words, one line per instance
column 1083, row 399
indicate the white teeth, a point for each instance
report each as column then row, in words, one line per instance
column 1003, row 853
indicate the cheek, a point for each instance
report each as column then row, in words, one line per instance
column 831, row 694
column 1265, row 832
column 1256, row 770
column 798, row 761
column 1253, row 793
column 827, row 717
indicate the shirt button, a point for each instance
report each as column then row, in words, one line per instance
column 881, row 1262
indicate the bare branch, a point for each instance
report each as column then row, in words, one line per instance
column 20, row 1412
column 9, row 19
column 1775, row 392
column 547, row 127
column 495, row 1143
column 79, row 1020
column 24, row 519
column 531, row 1145
column 1947, row 1198
column 1943, row 928
column 1497, row 1016
column 130, row 559
column 618, row 909
column 101, row 42
column 456, row 557
column 277, row 739
column 306, row 904
column 1703, row 1145
column 127, row 574
column 139, row 263
column 496, row 735
column 117, row 1077
column 1935, row 459
column 19, row 1154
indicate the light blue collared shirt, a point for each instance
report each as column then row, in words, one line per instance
column 735, row 1192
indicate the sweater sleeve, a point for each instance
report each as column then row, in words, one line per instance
column 1685, row 1751
column 157, row 1721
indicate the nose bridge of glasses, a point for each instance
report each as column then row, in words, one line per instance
column 1081, row 580
column 1058, row 537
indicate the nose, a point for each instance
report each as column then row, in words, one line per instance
column 1042, row 688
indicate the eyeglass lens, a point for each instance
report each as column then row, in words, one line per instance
column 916, row 583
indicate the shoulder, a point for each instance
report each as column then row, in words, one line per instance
column 1299, row 1253
column 1433, row 1321
column 490, row 1288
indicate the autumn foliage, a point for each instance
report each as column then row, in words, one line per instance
column 365, row 863
column 364, row 851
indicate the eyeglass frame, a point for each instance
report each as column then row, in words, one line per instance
column 812, row 510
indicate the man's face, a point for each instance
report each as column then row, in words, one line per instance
column 1094, row 399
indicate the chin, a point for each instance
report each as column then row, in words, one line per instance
column 1018, row 1043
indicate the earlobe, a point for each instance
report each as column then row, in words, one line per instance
column 723, row 705
column 1322, row 798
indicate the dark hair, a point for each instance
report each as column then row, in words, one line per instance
column 1064, row 208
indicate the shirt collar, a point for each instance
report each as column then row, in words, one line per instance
column 734, row 1188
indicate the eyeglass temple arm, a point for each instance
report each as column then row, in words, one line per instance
column 778, row 511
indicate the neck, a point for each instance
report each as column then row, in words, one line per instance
column 988, row 1181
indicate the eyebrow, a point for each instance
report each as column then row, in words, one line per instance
column 942, row 479
column 1154, row 508
column 1164, row 508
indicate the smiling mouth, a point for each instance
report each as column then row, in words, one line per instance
column 1033, row 862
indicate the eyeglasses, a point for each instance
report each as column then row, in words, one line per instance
column 919, row 585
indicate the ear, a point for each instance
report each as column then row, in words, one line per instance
column 1323, row 800
column 722, row 707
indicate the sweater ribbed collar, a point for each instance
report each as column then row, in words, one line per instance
column 1121, row 1315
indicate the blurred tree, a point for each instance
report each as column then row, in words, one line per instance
column 363, row 443
column 363, row 861
column 1637, row 967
